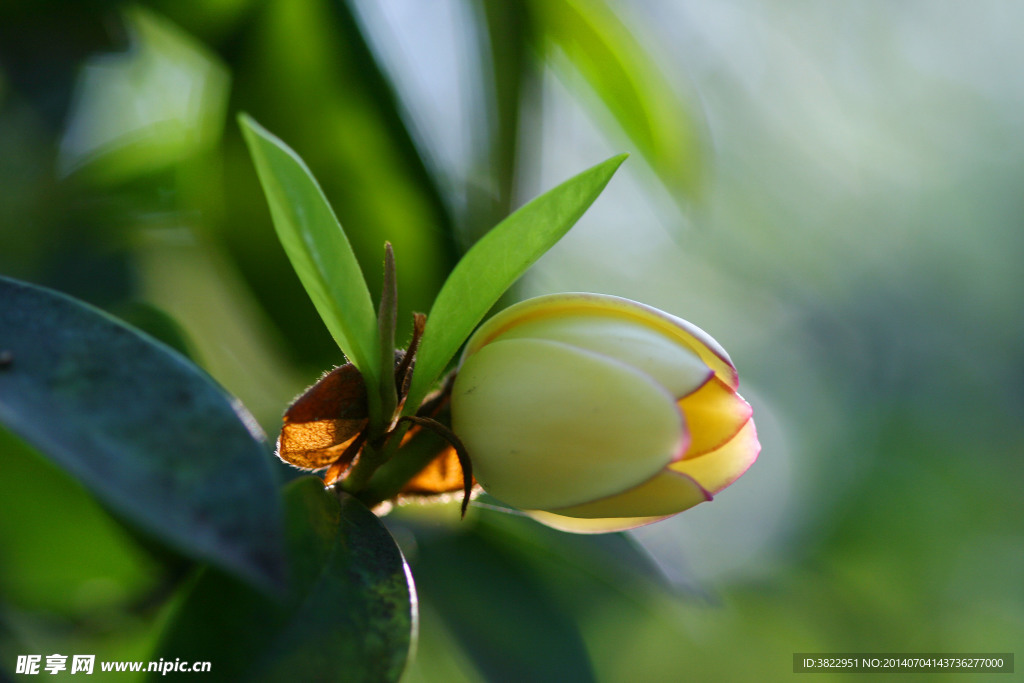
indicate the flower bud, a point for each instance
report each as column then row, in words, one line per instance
column 594, row 413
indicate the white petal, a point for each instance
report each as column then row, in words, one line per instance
column 678, row 369
column 548, row 425
column 680, row 333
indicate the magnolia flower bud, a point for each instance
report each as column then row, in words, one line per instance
column 594, row 413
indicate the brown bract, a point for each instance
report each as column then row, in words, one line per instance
column 325, row 421
column 326, row 427
column 442, row 475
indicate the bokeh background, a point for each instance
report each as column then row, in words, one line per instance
column 833, row 190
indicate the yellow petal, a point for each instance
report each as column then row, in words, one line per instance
column 709, row 350
column 566, row 305
column 714, row 414
column 666, row 493
column 548, row 425
column 591, row 526
column 721, row 467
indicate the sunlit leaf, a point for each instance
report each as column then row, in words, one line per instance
column 317, row 247
column 349, row 614
column 494, row 263
column 326, row 95
column 624, row 75
column 146, row 431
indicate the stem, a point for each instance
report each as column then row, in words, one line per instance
column 373, row 409
column 370, row 460
column 378, row 475
column 414, row 455
column 382, row 400
column 373, row 457
column 410, row 460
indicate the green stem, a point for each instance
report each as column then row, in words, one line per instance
column 382, row 400
column 372, row 458
column 374, row 412
column 386, row 464
column 357, row 478
column 407, row 463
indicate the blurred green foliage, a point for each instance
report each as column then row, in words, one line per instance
column 833, row 191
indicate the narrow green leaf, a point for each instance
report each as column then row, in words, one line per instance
column 349, row 614
column 146, row 431
column 317, row 247
column 327, row 96
column 494, row 263
column 622, row 73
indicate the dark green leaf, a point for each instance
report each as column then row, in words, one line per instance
column 625, row 77
column 158, row 324
column 146, row 431
column 494, row 263
column 349, row 614
column 501, row 613
column 317, row 247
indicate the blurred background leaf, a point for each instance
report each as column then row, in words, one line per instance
column 153, row 106
column 621, row 73
column 833, row 191
column 71, row 576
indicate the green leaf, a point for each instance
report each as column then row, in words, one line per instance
column 512, row 626
column 625, row 77
column 145, row 431
column 494, row 263
column 349, row 614
column 317, row 247
column 332, row 101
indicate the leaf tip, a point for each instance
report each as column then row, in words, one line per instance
column 617, row 160
column 252, row 131
column 246, row 122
